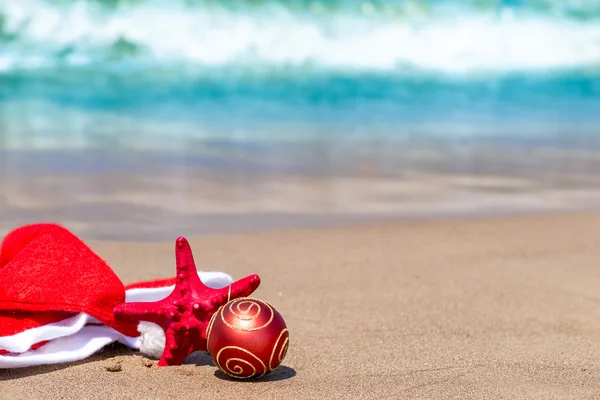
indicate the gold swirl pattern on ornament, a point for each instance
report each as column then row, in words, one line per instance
column 253, row 303
column 283, row 346
column 238, row 370
column 209, row 327
column 245, row 314
column 284, row 349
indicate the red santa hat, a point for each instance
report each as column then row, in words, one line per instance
column 57, row 298
column 46, row 273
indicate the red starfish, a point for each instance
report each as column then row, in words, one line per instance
column 185, row 313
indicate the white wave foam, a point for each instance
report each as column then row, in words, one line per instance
column 168, row 33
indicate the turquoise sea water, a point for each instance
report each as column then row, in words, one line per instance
column 300, row 87
column 275, row 70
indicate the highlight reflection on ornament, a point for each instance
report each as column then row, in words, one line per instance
column 247, row 338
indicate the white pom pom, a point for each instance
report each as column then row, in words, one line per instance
column 152, row 339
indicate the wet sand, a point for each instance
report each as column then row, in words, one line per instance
column 140, row 196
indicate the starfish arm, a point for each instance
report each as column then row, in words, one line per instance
column 242, row 288
column 176, row 349
column 142, row 312
column 187, row 274
column 199, row 343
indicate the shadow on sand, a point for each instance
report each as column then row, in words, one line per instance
column 279, row 374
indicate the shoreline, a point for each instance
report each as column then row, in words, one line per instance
column 157, row 196
column 254, row 223
column 226, row 224
column 141, row 207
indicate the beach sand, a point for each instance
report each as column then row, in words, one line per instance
column 485, row 308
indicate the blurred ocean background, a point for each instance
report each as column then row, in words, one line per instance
column 142, row 119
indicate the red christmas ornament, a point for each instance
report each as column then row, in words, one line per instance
column 185, row 313
column 247, row 338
